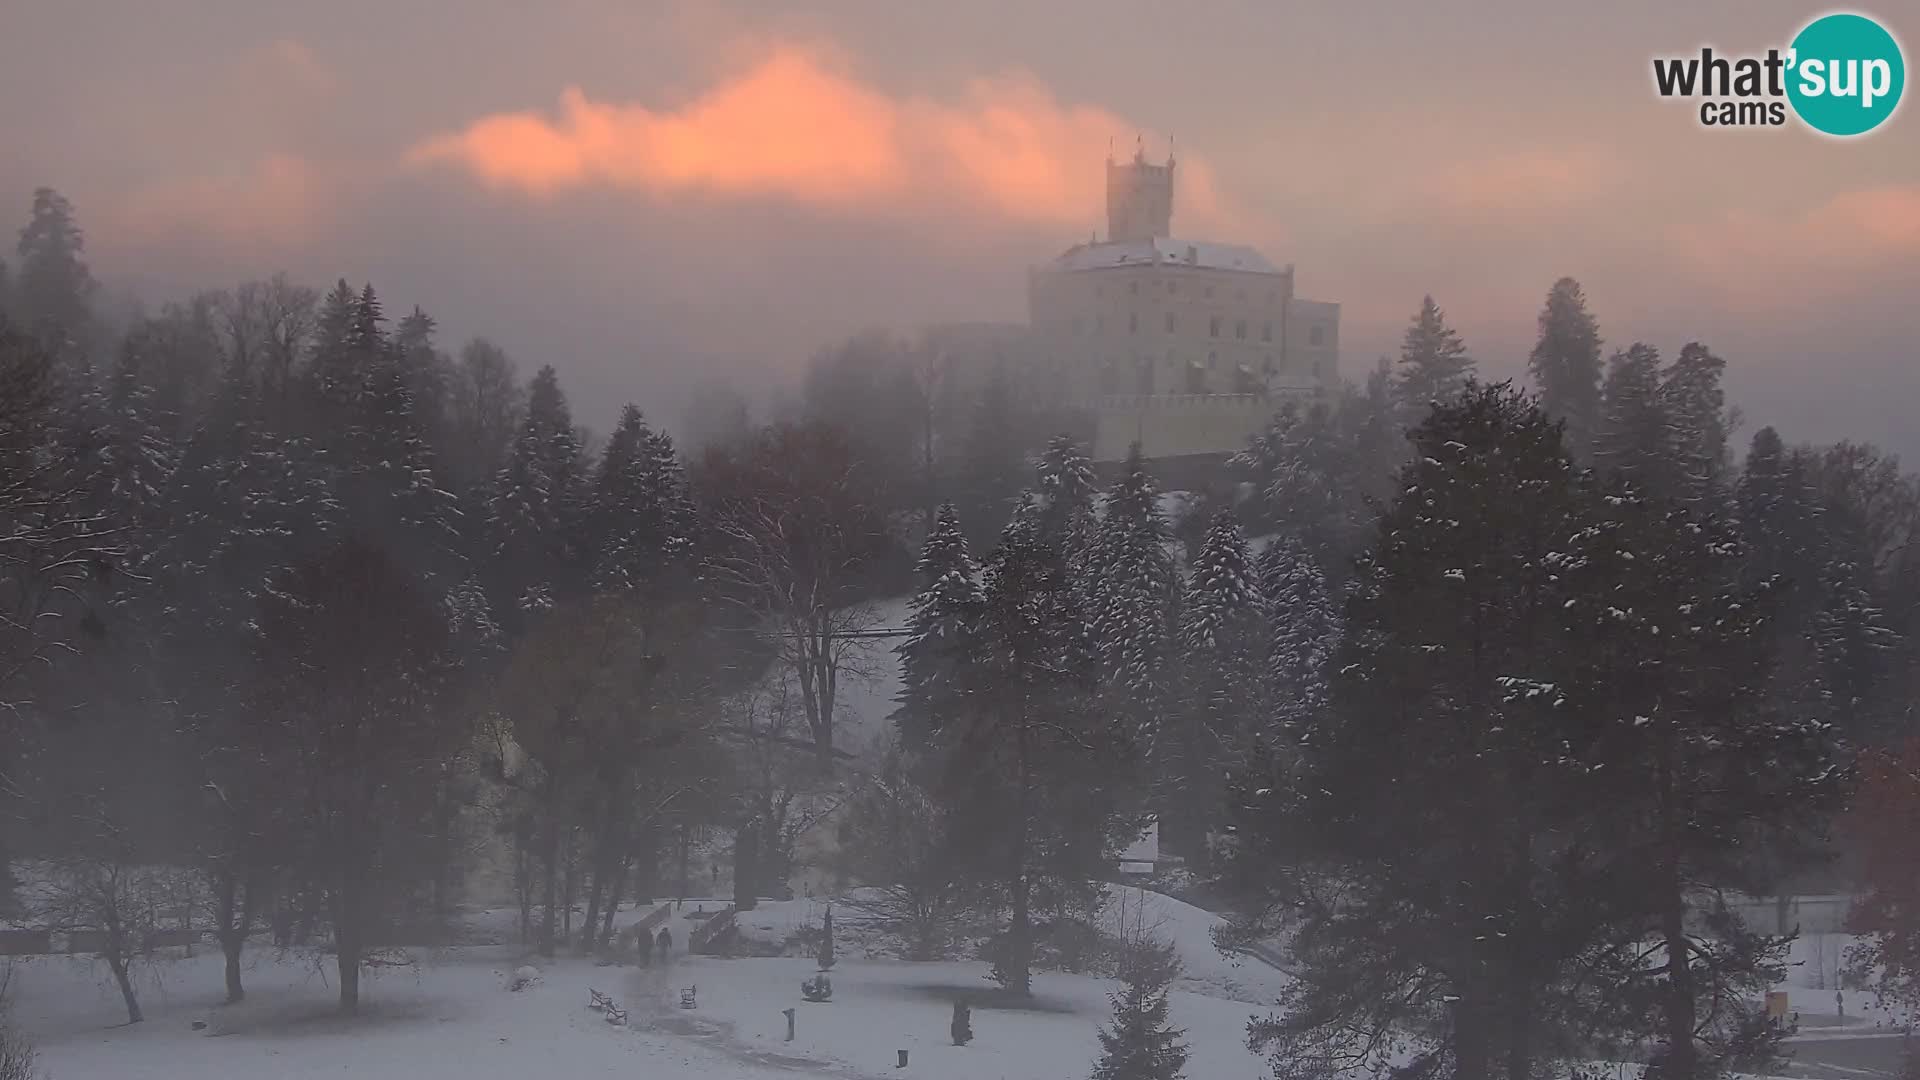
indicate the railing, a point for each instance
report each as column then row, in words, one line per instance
column 708, row 932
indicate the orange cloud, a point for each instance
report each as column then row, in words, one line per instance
column 793, row 127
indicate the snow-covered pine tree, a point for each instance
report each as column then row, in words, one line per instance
column 640, row 522
column 1852, row 644
column 1131, row 589
column 1780, row 530
column 1306, row 475
column 1434, row 364
column 1065, row 486
column 1223, row 644
column 536, row 503
column 1565, row 363
column 1635, row 440
column 1712, row 785
column 935, row 655
column 121, row 451
column 1305, row 630
column 390, row 487
column 428, row 375
column 1028, row 772
column 1141, row 1043
column 1428, row 787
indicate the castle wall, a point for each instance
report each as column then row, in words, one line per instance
column 1182, row 425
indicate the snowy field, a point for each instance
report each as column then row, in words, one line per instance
column 453, row 1015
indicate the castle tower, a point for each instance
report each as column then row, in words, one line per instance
column 1139, row 198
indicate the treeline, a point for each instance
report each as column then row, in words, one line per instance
column 1487, row 699
column 304, row 616
column 1513, row 693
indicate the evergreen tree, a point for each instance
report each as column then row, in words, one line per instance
column 1140, row 1044
column 364, row 334
column 1635, row 440
column 1065, row 486
column 1379, row 445
column 1223, row 641
column 1305, row 629
column 642, row 518
column 536, row 503
column 390, row 489
column 1434, row 364
column 1695, row 406
column 1715, row 788
column 936, row 652
column 1565, row 363
column 335, row 379
column 120, row 451
column 1852, row 644
column 1027, row 771
column 428, row 375
column 55, row 288
column 1132, row 592
column 1305, row 480
column 1781, row 531
column 1429, row 790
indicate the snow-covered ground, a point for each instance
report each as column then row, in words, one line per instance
column 452, row 1019
column 453, row 1016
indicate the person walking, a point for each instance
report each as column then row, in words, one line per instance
column 664, row 943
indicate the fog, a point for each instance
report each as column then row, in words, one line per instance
column 1234, row 539
column 733, row 187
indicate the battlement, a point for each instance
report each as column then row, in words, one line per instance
column 1139, row 199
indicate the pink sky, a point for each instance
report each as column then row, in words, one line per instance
column 637, row 191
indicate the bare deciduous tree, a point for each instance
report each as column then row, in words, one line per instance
column 795, row 535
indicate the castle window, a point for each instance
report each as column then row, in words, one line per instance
column 1316, row 337
column 1266, row 331
column 1172, row 287
column 1268, row 365
column 1133, row 322
column 1211, row 359
column 1209, row 292
column 1133, row 287
column 1241, row 295
column 1240, row 330
column 1213, row 326
column 1169, row 322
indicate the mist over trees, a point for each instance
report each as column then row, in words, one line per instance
column 1483, row 700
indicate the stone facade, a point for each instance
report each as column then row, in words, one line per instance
column 1142, row 328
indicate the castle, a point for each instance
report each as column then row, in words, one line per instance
column 1185, row 346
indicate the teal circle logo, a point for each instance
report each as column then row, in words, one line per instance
column 1845, row 74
